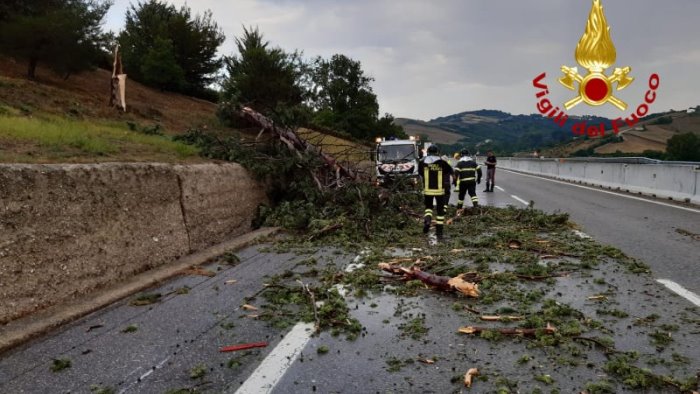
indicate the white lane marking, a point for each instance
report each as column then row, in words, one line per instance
column 581, row 234
column 273, row 367
column 144, row 376
column 681, row 291
column 606, row 192
column 520, row 199
column 500, row 188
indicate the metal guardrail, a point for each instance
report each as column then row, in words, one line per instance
column 620, row 160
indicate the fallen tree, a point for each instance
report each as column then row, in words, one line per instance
column 332, row 174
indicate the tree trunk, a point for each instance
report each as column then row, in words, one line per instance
column 31, row 69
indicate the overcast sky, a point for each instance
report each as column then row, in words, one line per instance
column 430, row 60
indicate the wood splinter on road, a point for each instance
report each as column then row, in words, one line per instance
column 469, row 376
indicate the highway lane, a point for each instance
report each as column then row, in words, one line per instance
column 641, row 229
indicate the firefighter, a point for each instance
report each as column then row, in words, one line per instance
column 467, row 176
column 434, row 170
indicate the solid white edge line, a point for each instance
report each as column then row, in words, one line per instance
column 681, row 291
column 520, row 200
column 500, row 188
column 275, row 365
column 603, row 191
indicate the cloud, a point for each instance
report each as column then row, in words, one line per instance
column 435, row 58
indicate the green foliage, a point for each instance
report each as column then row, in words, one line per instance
column 159, row 66
column 198, row 371
column 65, row 35
column 395, row 364
column 632, row 376
column 323, row 349
column 601, row 387
column 171, row 49
column 684, row 147
column 343, row 98
column 266, row 79
column 59, row 364
column 130, row 328
column 145, row 299
column 97, row 389
column 414, row 328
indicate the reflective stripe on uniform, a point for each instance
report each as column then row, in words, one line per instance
column 440, row 220
column 426, row 184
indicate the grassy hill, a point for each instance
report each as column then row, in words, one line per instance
column 436, row 134
column 57, row 120
column 68, row 121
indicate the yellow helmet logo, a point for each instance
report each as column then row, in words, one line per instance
column 596, row 52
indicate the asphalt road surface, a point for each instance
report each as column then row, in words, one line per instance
column 174, row 343
column 654, row 231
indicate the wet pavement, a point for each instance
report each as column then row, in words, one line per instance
column 174, row 343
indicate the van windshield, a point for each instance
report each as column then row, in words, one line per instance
column 396, row 153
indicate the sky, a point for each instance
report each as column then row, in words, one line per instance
column 441, row 57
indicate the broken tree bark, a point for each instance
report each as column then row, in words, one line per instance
column 444, row 283
column 298, row 144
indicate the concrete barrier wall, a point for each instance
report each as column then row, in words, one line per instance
column 68, row 229
column 675, row 181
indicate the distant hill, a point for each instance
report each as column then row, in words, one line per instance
column 650, row 134
column 436, row 134
column 494, row 129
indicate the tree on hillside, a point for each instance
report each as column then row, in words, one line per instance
column 63, row 34
column 684, row 147
column 169, row 48
column 269, row 80
column 385, row 127
column 343, row 98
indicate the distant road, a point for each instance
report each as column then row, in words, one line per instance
column 655, row 231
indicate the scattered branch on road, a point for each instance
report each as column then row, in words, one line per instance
column 606, row 348
column 509, row 331
column 500, row 318
column 444, row 283
column 243, row 346
column 312, row 297
column 197, row 271
column 325, row 230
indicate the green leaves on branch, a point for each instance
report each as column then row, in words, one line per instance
column 266, row 79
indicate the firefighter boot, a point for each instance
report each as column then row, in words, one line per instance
column 438, row 232
column 426, row 224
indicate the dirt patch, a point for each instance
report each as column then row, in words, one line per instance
column 87, row 95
